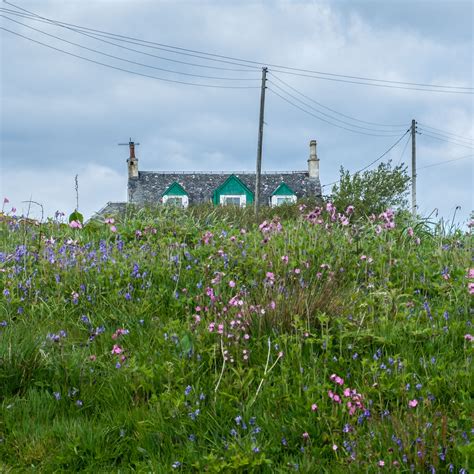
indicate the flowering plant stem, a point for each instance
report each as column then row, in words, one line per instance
column 266, row 371
column 223, row 367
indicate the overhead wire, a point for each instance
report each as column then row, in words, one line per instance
column 397, row 126
column 426, row 134
column 216, row 86
column 404, row 150
column 451, row 139
column 447, row 161
column 372, row 162
column 100, row 38
column 372, row 84
column 128, row 39
column 327, row 121
column 282, row 69
column 438, row 131
column 128, row 60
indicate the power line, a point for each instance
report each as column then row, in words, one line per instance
column 127, row 60
column 288, row 70
column 380, row 132
column 448, row 161
column 398, row 126
column 372, row 162
column 426, row 134
column 97, row 38
column 327, row 121
column 372, row 84
column 128, row 39
column 217, row 86
column 444, row 132
column 404, row 150
column 453, row 140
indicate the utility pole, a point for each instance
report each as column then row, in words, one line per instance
column 413, row 167
column 260, row 141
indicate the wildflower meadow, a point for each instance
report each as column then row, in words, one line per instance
column 200, row 340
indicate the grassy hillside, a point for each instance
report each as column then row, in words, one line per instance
column 195, row 341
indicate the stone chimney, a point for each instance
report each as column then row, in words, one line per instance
column 132, row 161
column 313, row 162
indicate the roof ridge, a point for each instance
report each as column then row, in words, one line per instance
column 218, row 173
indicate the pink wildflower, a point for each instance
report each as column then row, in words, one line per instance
column 284, row 259
column 93, row 358
column 305, row 435
column 335, row 378
column 410, row 231
column 469, row 337
column 381, row 463
column 471, row 288
column 347, row 392
column 116, row 349
column 334, row 447
column 6, row 200
column 413, row 403
column 232, row 283
column 270, row 276
column 471, row 273
column 110, row 220
column 314, row 407
column 75, row 225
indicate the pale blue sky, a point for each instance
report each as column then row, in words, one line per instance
column 61, row 116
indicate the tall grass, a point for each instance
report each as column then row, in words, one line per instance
column 198, row 341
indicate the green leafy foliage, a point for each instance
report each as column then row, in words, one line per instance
column 76, row 216
column 372, row 191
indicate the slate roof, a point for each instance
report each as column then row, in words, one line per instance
column 150, row 186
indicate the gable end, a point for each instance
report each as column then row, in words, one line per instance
column 175, row 190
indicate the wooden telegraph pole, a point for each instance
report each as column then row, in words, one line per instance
column 260, row 141
column 413, row 167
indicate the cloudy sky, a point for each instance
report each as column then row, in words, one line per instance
column 62, row 115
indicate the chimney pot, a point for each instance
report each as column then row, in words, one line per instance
column 132, row 161
column 313, row 162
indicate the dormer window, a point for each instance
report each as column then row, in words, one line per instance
column 175, row 195
column 283, row 194
column 233, row 192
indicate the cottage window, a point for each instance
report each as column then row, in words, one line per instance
column 279, row 200
column 175, row 201
column 178, row 201
column 233, row 200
